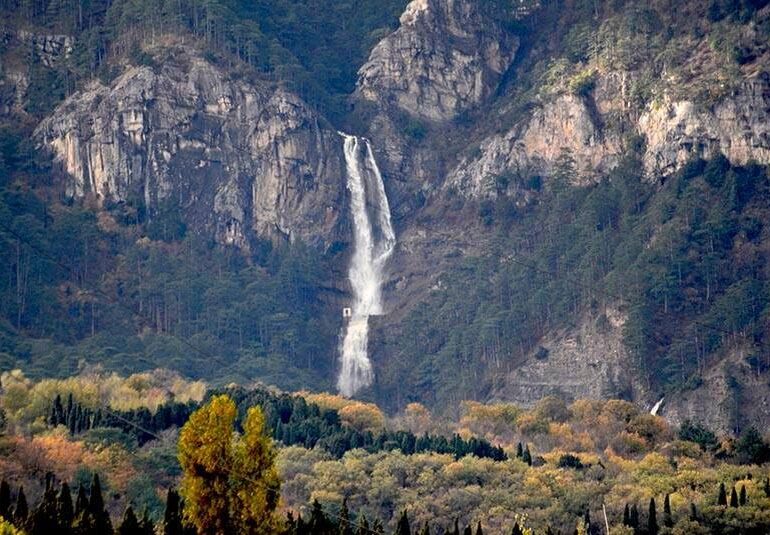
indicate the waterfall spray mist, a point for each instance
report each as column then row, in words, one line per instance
column 373, row 243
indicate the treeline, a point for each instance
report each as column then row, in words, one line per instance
column 290, row 419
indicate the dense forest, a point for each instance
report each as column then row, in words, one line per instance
column 147, row 435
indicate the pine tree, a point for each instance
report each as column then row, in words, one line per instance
column 652, row 520
column 129, row 525
column 146, row 525
column 172, row 518
column 742, row 497
column 44, row 518
column 21, row 511
column 527, row 456
column 519, row 450
column 722, row 499
column 363, row 525
column 402, row 528
column 668, row 520
column 516, row 530
column 733, row 498
column 626, row 516
column 478, row 529
column 64, row 508
column 346, row 526
column 81, row 501
column 5, row 500
column 102, row 523
column 634, row 517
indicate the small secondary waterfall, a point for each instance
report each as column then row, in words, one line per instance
column 373, row 243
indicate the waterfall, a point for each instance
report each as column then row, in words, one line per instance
column 656, row 407
column 373, row 243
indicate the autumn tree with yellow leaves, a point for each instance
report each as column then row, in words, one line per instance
column 229, row 480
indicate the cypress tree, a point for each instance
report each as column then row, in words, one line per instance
column 668, row 520
column 44, row 518
column 767, row 487
column 345, row 525
column 693, row 512
column 587, row 519
column 363, row 525
column 467, row 531
column 81, row 502
column 64, row 508
column 402, row 528
column 478, row 529
column 146, row 526
column 626, row 516
column 172, row 518
column 516, row 529
column 527, row 456
column 634, row 517
column 456, row 530
column 652, row 520
column 5, row 500
column 129, row 525
column 519, row 450
column 21, row 511
column 733, row 498
column 742, row 497
column 96, row 508
column 722, row 499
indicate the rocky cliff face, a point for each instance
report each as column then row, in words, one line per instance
column 446, row 56
column 235, row 158
column 674, row 131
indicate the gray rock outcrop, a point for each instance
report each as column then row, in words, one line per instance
column 237, row 159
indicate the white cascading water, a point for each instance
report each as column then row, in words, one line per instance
column 373, row 243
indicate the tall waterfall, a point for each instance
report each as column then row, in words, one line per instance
column 374, row 241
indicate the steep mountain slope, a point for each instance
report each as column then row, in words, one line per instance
column 578, row 189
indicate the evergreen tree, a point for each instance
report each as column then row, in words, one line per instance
column 519, row 450
column 527, row 456
column 21, row 511
column 5, row 500
column 652, row 519
column 425, row 529
column 742, row 497
column 172, row 518
column 129, row 525
column 722, row 499
column 402, row 528
column 767, row 487
column 587, row 519
column 668, row 520
column 626, row 516
column 733, row 498
column 634, row 517
column 318, row 521
column 345, row 524
column 44, row 518
column 516, row 530
column 363, row 525
column 478, row 529
column 146, row 525
column 693, row 512
column 81, row 501
column 96, row 510
column 64, row 508
column 467, row 531
column 456, row 530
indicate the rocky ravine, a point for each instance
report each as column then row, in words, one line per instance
column 237, row 159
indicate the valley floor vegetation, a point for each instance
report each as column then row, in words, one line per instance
column 154, row 453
